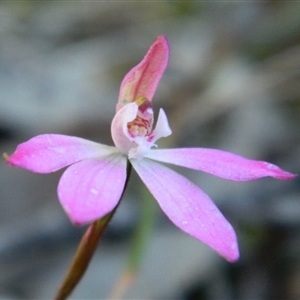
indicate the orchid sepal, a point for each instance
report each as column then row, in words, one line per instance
column 142, row 80
column 219, row 163
column 188, row 207
column 48, row 153
column 90, row 189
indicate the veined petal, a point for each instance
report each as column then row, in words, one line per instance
column 119, row 131
column 188, row 207
column 219, row 163
column 50, row 152
column 142, row 80
column 91, row 188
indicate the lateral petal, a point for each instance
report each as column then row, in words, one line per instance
column 142, row 80
column 188, row 207
column 119, row 132
column 91, row 188
column 47, row 153
column 162, row 128
column 219, row 163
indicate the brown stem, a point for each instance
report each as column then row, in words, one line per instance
column 86, row 250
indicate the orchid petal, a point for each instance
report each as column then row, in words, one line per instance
column 90, row 189
column 119, row 131
column 219, row 163
column 142, row 80
column 162, row 128
column 188, row 207
column 47, row 153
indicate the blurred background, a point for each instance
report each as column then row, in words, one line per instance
column 233, row 83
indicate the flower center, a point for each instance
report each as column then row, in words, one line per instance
column 142, row 125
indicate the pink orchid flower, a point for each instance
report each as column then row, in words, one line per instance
column 92, row 185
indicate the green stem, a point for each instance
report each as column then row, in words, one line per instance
column 86, row 250
column 143, row 231
column 138, row 245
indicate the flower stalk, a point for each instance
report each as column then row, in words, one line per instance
column 83, row 256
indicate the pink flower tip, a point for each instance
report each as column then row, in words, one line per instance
column 13, row 160
column 7, row 159
column 234, row 256
column 279, row 173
